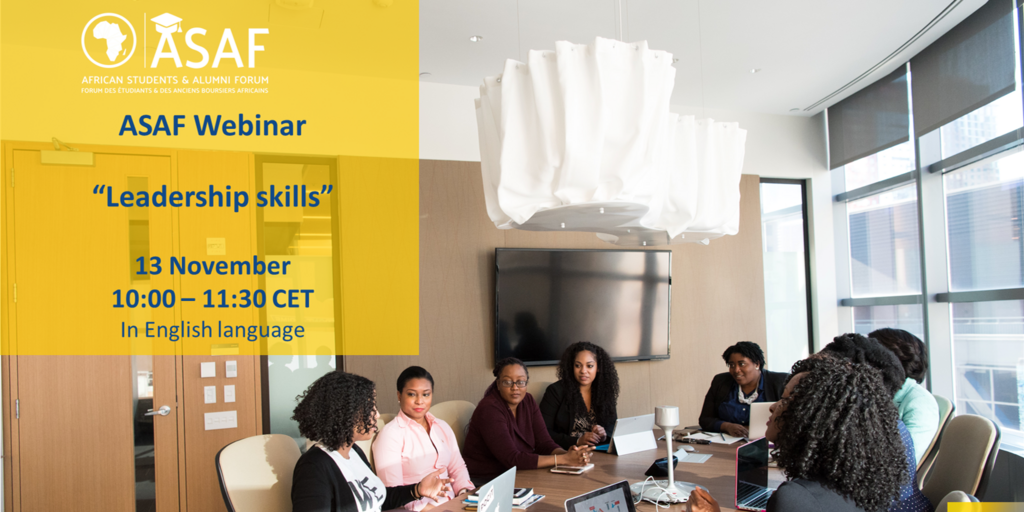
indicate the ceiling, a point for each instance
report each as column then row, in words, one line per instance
column 809, row 53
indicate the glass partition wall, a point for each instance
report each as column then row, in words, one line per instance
column 307, row 238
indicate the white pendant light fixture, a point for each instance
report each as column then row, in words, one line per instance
column 581, row 139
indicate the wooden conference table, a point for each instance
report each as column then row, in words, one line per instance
column 717, row 474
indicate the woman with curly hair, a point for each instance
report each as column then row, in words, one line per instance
column 836, row 440
column 416, row 443
column 727, row 403
column 918, row 409
column 579, row 409
column 856, row 348
column 507, row 429
column 336, row 411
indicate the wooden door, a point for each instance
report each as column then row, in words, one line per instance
column 76, row 432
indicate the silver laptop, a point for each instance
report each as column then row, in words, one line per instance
column 613, row 498
column 752, row 491
column 634, row 431
column 496, row 495
column 759, row 415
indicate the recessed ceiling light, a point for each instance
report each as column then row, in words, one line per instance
column 794, row 110
column 476, row 39
column 424, row 74
column 755, row 70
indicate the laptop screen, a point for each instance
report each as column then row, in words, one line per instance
column 752, row 464
column 613, row 498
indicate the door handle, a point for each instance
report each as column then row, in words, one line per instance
column 162, row 411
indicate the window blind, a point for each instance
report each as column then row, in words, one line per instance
column 965, row 69
column 871, row 120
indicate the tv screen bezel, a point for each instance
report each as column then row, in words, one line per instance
column 497, row 291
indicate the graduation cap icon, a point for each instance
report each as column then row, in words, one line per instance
column 167, row 23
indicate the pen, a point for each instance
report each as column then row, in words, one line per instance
column 723, row 436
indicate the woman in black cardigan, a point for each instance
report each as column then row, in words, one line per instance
column 579, row 409
column 727, row 404
column 336, row 411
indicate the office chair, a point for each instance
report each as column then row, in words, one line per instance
column 386, row 418
column 537, row 388
column 456, row 413
column 255, row 473
column 955, row 497
column 966, row 456
column 367, row 446
column 946, row 411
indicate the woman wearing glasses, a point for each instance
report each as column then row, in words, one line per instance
column 507, row 429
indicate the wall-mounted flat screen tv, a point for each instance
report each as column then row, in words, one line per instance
column 547, row 300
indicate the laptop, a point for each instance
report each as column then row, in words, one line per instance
column 613, row 498
column 496, row 495
column 632, row 435
column 752, row 491
column 759, row 415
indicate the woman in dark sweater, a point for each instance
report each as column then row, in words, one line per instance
column 336, row 411
column 507, row 429
column 836, row 440
column 579, row 409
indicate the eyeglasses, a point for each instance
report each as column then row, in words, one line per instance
column 509, row 383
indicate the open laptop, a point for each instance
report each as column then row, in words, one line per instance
column 752, row 491
column 613, row 498
column 496, row 495
column 759, row 415
column 633, row 434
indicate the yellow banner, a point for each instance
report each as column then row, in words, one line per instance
column 210, row 178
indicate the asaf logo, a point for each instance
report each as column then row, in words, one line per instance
column 108, row 40
column 167, row 25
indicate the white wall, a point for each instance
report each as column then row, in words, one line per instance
column 777, row 147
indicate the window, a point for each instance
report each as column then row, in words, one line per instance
column 884, row 254
column 988, row 349
column 885, row 164
column 909, row 317
column 984, row 220
column 982, row 125
column 786, row 296
column 933, row 242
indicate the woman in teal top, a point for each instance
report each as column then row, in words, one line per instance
column 917, row 407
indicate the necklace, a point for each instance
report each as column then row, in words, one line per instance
column 746, row 399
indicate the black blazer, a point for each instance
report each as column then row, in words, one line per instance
column 319, row 486
column 723, row 384
column 554, row 407
column 801, row 495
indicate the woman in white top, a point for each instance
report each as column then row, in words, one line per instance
column 336, row 411
column 415, row 443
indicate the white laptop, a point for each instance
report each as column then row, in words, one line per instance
column 496, row 495
column 634, row 434
column 759, row 415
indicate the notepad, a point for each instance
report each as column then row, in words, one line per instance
column 692, row 458
column 715, row 438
